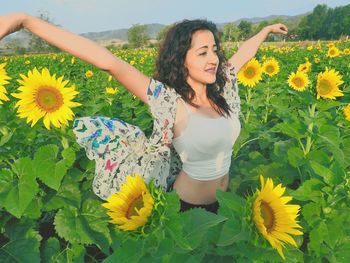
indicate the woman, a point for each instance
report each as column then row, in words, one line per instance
column 191, row 67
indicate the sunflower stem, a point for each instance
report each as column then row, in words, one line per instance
column 248, row 96
column 302, row 146
column 267, row 101
column 309, row 141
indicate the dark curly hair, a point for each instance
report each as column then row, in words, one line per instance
column 170, row 67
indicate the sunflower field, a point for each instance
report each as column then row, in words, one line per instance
column 289, row 190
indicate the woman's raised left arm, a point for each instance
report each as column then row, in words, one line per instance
column 249, row 48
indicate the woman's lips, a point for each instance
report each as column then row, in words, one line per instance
column 211, row 71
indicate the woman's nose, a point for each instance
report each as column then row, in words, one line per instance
column 213, row 57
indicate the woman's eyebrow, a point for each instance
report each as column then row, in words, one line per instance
column 205, row 47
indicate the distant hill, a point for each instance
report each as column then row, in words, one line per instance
column 121, row 35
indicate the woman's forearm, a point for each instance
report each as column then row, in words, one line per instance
column 251, row 46
column 74, row 44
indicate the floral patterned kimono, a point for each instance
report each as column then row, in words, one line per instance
column 121, row 149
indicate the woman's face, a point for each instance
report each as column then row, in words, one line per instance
column 201, row 59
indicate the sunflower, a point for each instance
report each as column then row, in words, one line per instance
column 131, row 207
column 89, row 74
column 271, row 67
column 317, row 60
column 304, row 67
column 333, row 52
column 250, row 74
column 273, row 218
column 3, row 81
column 110, row 90
column 347, row 112
column 298, row 81
column 346, row 51
column 328, row 83
column 42, row 95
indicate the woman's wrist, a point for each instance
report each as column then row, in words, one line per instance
column 267, row 29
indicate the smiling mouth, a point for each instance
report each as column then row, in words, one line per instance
column 211, row 71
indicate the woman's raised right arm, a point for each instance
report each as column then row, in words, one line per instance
column 81, row 47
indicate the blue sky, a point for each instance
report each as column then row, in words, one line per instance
column 81, row 16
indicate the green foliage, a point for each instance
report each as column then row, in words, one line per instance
column 230, row 32
column 138, row 35
column 245, row 29
column 325, row 23
column 23, row 242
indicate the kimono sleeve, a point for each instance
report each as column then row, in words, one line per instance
column 231, row 93
column 162, row 105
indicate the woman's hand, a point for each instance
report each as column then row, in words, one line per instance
column 278, row 28
column 11, row 23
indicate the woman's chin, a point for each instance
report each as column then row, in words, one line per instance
column 211, row 80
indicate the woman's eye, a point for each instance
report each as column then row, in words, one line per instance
column 201, row 54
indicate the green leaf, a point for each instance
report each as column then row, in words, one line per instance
column 198, row 221
column 231, row 206
column 230, row 201
column 23, row 245
column 46, row 153
column 67, row 195
column 50, row 172
column 86, row 226
column 33, row 209
column 126, row 253
column 346, row 150
column 317, row 236
column 329, row 135
column 6, row 135
column 309, row 190
column 174, row 229
column 311, row 212
column 324, row 105
column 295, row 130
column 318, row 156
column 296, row 157
column 18, row 192
column 72, row 253
column 322, row 171
column 50, row 250
column 231, row 232
column 69, row 156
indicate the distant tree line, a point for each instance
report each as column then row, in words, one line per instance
column 325, row 23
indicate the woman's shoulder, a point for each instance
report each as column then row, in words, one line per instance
column 158, row 90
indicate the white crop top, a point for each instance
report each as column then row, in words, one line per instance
column 205, row 146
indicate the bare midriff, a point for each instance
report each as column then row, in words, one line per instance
column 196, row 191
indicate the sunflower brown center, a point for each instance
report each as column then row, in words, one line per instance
column 268, row 216
column 49, row 99
column 249, row 73
column 137, row 202
column 332, row 52
column 270, row 69
column 299, row 82
column 324, row 86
